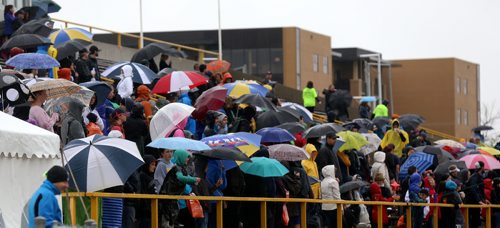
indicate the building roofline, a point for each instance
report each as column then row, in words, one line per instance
column 433, row 58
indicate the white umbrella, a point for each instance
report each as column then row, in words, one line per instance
column 166, row 119
column 450, row 143
column 373, row 143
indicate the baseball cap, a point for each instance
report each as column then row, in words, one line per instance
column 83, row 51
column 94, row 48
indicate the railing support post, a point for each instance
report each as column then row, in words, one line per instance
column 488, row 217
column 154, row 213
column 119, row 41
column 72, row 210
column 303, row 214
column 219, row 207
column 94, row 208
column 435, row 218
column 380, row 218
column 466, row 217
column 263, row 214
column 339, row 215
column 65, row 24
column 408, row 217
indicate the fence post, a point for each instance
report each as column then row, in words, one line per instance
column 201, row 56
column 303, row 214
column 380, row 218
column 435, row 217
column 339, row 215
column 40, row 222
column 66, row 24
column 408, row 217
column 466, row 217
column 488, row 217
column 90, row 224
column 72, row 209
column 263, row 214
column 90, row 29
column 119, row 41
column 94, row 208
column 219, row 207
column 154, row 213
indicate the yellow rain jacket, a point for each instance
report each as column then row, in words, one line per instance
column 311, row 169
column 392, row 136
column 52, row 51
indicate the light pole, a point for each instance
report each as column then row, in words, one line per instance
column 141, row 35
column 379, row 72
column 219, row 31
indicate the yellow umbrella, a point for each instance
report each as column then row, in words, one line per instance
column 489, row 150
column 353, row 140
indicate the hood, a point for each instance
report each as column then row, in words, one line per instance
column 127, row 71
column 379, row 156
column 310, row 148
column 143, row 92
column 51, row 187
column 415, row 180
column 428, row 185
column 147, row 160
column 180, row 157
column 75, row 109
column 395, row 121
column 227, row 76
column 450, row 185
column 488, row 183
column 137, row 111
column 328, row 171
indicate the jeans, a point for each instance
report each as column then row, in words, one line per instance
column 202, row 222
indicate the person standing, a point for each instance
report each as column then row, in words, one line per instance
column 379, row 167
column 495, row 200
column 82, row 71
column 364, row 110
column 310, row 96
column 38, row 115
column 327, row 156
column 72, row 126
column 165, row 62
column 20, row 15
column 381, row 110
column 9, row 18
column 475, row 194
column 44, row 202
column 311, row 169
column 126, row 85
column 330, row 190
column 396, row 136
column 162, row 168
column 93, row 65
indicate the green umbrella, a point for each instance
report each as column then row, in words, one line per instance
column 264, row 167
column 353, row 140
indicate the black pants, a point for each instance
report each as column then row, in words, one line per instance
column 330, row 218
column 474, row 217
column 311, row 109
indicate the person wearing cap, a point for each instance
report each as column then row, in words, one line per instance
column 326, row 155
column 44, row 202
column 82, row 67
column 474, row 194
column 92, row 62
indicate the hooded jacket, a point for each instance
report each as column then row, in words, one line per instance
column 126, row 86
column 161, row 171
column 44, row 203
column 376, row 195
column 93, row 109
column 396, row 138
column 135, row 127
column 72, row 125
column 143, row 97
column 181, row 157
column 327, row 156
column 415, row 181
column 311, row 168
column 330, row 189
column 380, row 167
column 215, row 172
column 191, row 123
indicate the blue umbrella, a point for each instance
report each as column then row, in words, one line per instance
column 177, row 143
column 420, row 160
column 233, row 140
column 32, row 61
column 368, row 99
column 101, row 90
column 275, row 135
column 264, row 167
column 141, row 74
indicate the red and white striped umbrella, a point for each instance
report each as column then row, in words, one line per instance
column 178, row 79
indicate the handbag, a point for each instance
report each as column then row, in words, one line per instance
column 195, row 208
column 284, row 214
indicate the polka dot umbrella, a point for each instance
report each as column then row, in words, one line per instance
column 12, row 90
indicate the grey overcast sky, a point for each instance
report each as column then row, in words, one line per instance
column 398, row 29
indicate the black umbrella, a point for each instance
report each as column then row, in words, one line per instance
column 101, row 90
column 410, row 121
column 153, row 49
column 274, row 118
column 364, row 123
column 381, row 122
column 70, row 48
column 34, row 12
column 12, row 90
column 440, row 153
column 442, row 169
column 294, row 127
column 340, row 99
column 482, row 128
column 25, row 41
column 256, row 100
column 352, row 185
column 42, row 27
column 351, row 125
column 223, row 153
column 321, row 130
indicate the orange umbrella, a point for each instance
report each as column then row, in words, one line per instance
column 218, row 66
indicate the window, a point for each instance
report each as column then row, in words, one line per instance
column 466, row 117
column 458, row 85
column 465, row 84
column 315, row 62
column 325, row 65
column 458, row 116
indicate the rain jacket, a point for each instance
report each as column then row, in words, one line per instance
column 381, row 111
column 42, row 119
column 44, row 203
column 214, row 172
column 380, row 167
column 311, row 169
column 392, row 136
column 330, row 189
column 161, row 172
column 327, row 156
column 72, row 125
column 9, row 19
column 143, row 97
column 105, row 111
column 93, row 129
column 376, row 195
column 181, row 157
column 126, row 86
column 309, row 96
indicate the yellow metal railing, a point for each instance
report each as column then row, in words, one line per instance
column 94, row 199
column 120, row 35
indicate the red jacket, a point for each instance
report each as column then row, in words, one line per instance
column 376, row 195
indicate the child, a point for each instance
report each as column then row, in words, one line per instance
column 92, row 127
column 118, row 117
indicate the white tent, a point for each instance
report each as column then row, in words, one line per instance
column 26, row 153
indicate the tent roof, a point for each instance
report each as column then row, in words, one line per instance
column 19, row 138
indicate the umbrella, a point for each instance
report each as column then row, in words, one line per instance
column 293, row 128
column 48, row 6
column 153, row 49
column 264, row 167
column 25, row 41
column 255, row 100
column 274, row 118
column 56, row 88
column 70, row 48
column 287, row 152
column 353, row 140
column 31, row 81
column 482, row 128
column 212, row 99
column 101, row 90
column 99, row 162
column 177, row 80
column 364, row 123
column 450, row 143
column 320, row 131
column 489, row 150
column 442, row 169
column 420, row 160
column 308, row 116
column 55, row 105
column 167, row 118
column 42, row 27
column 12, row 90
column 373, row 143
column 381, row 122
column 340, row 100
column 64, row 35
column 218, row 66
column 32, row 61
column 350, row 126
column 238, row 89
column 34, row 12
column 490, row 162
column 439, row 152
column 275, row 135
column 224, row 153
column 368, row 99
column 352, row 185
column 165, row 71
column 141, row 74
column 245, row 142
column 410, row 121
column 177, row 143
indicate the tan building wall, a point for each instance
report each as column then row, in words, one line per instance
column 428, row 87
column 466, row 97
